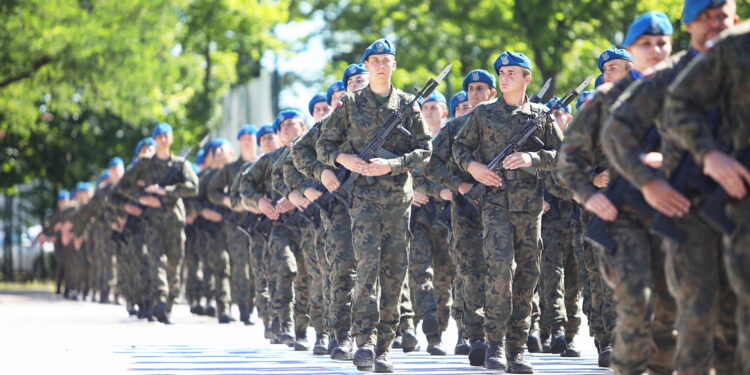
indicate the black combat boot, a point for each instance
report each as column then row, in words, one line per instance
column 344, row 351
column 435, row 345
column 364, row 358
column 245, row 315
column 286, row 335
column 518, row 365
column 534, row 342
column 605, row 353
column 321, row 344
column 383, row 362
column 160, row 313
column 494, row 357
column 430, row 325
column 409, row 341
column 210, row 311
column 571, row 350
column 477, row 352
column 300, row 341
column 462, row 345
column 558, row 344
column 397, row 341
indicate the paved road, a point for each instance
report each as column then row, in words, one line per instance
column 40, row 333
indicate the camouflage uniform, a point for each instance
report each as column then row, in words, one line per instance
column 466, row 236
column 193, row 274
column 338, row 252
column 511, row 217
column 164, row 236
column 718, row 79
column 243, row 292
column 379, row 212
column 48, row 229
column 213, row 243
column 286, row 264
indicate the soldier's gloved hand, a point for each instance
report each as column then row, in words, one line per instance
column 329, row 180
column 298, row 200
column 284, row 205
column 148, row 200
column 727, row 172
column 377, row 167
column 155, row 189
column 420, row 199
column 661, row 196
column 484, row 175
column 600, row 205
column 652, row 159
column 267, row 208
column 446, row 194
column 132, row 209
column 351, row 162
column 517, row 160
column 602, row 179
column 312, row 194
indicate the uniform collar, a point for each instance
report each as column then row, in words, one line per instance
column 505, row 107
column 392, row 102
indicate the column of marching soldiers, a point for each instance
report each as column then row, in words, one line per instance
column 382, row 214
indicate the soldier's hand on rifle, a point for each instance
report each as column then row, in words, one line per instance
column 284, row 205
column 602, row 179
column 545, row 207
column 211, row 215
column 652, row 159
column 464, row 187
column 155, row 189
column 148, row 200
column 351, row 162
column 190, row 219
column 420, row 199
column 661, row 196
column 133, row 209
column 312, row 194
column 377, row 167
column 484, row 175
column 600, row 205
column 267, row 208
column 727, row 172
column 329, row 180
column 298, row 200
column 517, row 160
column 446, row 194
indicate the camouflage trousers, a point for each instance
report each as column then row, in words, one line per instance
column 312, row 252
column 697, row 279
column 342, row 268
column 381, row 246
column 431, row 272
column 290, row 295
column 259, row 262
column 471, row 264
column 136, row 266
column 598, row 297
column 242, row 280
column 645, row 310
column 192, row 267
column 737, row 262
column 127, row 271
column 560, row 285
column 164, row 241
column 512, row 248
column 216, row 268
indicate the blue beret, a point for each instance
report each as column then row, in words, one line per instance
column 478, row 75
column 145, row 141
column 83, row 186
column 104, row 175
column 378, row 47
column 265, row 129
column 694, row 7
column 63, row 194
column 553, row 102
column 651, row 23
column 286, row 115
column 215, row 143
column 436, row 96
column 200, row 157
column 247, row 129
column 351, row 71
column 583, row 97
column 334, row 88
column 612, row 54
column 457, row 99
column 115, row 161
column 509, row 58
column 319, row 97
column 161, row 128
column 599, row 80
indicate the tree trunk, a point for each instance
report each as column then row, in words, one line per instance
column 8, row 237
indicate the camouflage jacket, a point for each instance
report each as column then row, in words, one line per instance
column 718, row 78
column 351, row 126
column 304, row 156
column 152, row 170
column 234, row 189
column 293, row 177
column 277, row 173
column 490, row 127
column 96, row 209
column 220, row 184
column 581, row 156
column 442, row 168
column 255, row 182
column 632, row 117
